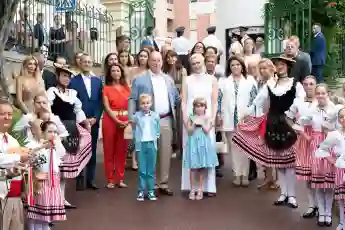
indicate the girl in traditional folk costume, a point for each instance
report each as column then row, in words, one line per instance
column 49, row 204
column 303, row 154
column 332, row 149
column 277, row 149
column 66, row 105
column 200, row 152
column 321, row 118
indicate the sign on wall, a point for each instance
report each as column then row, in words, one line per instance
column 65, row 5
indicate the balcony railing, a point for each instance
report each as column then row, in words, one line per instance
column 41, row 26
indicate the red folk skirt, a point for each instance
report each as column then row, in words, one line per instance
column 304, row 156
column 339, row 191
column 49, row 205
column 250, row 140
column 73, row 164
column 322, row 171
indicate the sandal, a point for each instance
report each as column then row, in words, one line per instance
column 110, row 185
column 200, row 195
column 121, row 185
column 192, row 195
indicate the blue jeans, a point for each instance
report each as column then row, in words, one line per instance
column 147, row 157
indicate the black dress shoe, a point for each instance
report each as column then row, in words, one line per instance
column 281, row 201
column 92, row 186
column 320, row 223
column 219, row 173
column 310, row 213
column 329, row 222
column 292, row 204
column 69, row 206
column 166, row 191
column 51, row 224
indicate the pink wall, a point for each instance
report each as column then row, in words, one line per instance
column 181, row 11
column 204, row 21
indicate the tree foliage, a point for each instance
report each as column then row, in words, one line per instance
column 8, row 9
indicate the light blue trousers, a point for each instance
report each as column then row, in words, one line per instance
column 147, row 157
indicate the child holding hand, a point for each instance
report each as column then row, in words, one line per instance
column 147, row 131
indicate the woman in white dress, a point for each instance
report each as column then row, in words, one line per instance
column 199, row 84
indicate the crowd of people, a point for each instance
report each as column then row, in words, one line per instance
column 268, row 114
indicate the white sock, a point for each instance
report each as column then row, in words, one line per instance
column 282, row 181
column 311, row 196
column 63, row 188
column 320, row 200
column 290, row 181
column 341, row 211
column 45, row 226
column 329, row 193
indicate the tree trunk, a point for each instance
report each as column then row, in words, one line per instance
column 8, row 9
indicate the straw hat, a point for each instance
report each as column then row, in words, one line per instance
column 287, row 60
column 63, row 68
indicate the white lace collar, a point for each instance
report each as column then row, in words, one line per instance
column 281, row 88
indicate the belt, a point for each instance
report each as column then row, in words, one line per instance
column 164, row 115
column 121, row 113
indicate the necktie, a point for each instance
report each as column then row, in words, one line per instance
column 51, row 167
column 5, row 138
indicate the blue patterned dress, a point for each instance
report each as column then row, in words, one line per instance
column 200, row 151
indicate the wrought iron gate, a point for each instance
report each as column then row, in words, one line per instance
column 285, row 19
column 140, row 18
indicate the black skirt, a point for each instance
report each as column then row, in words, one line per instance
column 279, row 134
column 71, row 143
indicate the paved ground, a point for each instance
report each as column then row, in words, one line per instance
column 232, row 209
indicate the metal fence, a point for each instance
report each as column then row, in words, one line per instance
column 61, row 28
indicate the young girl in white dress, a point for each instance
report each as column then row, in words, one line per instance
column 332, row 149
column 321, row 118
column 200, row 152
column 48, row 202
column 300, row 108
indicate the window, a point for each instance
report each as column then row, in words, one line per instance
column 193, row 24
column 170, row 25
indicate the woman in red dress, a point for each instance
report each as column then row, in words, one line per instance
column 115, row 120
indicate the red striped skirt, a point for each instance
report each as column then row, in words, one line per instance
column 303, row 156
column 49, row 205
column 73, row 164
column 339, row 191
column 248, row 139
column 322, row 171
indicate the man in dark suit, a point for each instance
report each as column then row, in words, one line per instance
column 302, row 67
column 318, row 52
column 89, row 90
column 39, row 33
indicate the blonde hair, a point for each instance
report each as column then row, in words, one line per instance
column 269, row 63
column 199, row 101
column 44, row 95
column 197, row 56
column 322, row 85
column 24, row 73
column 145, row 96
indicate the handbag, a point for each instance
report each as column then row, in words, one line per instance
column 71, row 143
